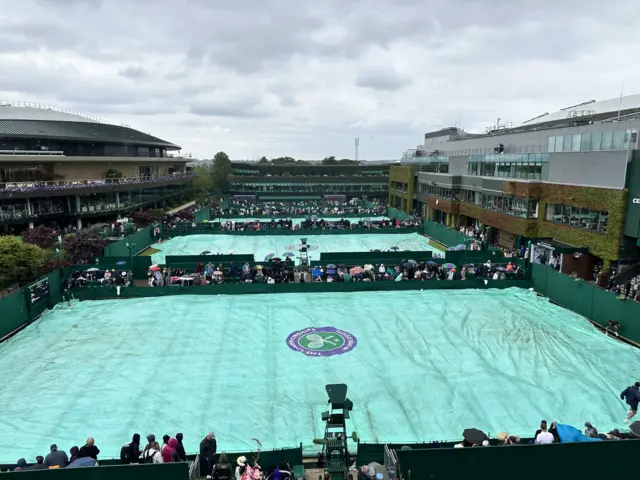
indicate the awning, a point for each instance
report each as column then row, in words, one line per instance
column 558, row 247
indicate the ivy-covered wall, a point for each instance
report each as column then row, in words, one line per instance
column 603, row 245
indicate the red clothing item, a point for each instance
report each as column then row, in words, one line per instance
column 168, row 452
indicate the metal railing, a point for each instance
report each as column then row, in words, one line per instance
column 32, row 152
column 44, row 106
column 63, row 184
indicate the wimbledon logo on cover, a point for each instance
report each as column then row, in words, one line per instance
column 321, row 342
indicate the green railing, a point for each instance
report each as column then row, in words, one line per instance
column 95, row 293
column 214, row 259
column 149, row 471
column 204, row 214
column 588, row 300
column 609, row 459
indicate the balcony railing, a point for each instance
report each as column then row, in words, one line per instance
column 75, row 184
column 49, row 153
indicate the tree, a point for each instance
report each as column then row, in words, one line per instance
column 83, row 247
column 203, row 183
column 18, row 260
column 113, row 173
column 42, row 236
column 329, row 161
column 221, row 170
column 147, row 217
column 263, row 160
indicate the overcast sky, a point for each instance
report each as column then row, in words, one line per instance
column 304, row 78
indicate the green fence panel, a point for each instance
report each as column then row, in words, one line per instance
column 611, row 459
column 374, row 452
column 587, row 300
column 606, row 306
column 99, row 292
column 372, row 257
column 297, row 233
column 55, row 289
column 447, row 236
column 477, row 257
column 214, row 259
column 203, row 214
column 149, row 471
column 14, row 312
column 142, row 239
column 399, row 214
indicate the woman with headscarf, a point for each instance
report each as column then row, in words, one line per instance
column 169, row 454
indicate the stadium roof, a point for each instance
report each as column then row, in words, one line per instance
column 626, row 105
column 38, row 122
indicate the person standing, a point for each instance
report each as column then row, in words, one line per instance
column 208, row 447
column 89, row 449
column 631, row 395
column 180, row 448
column 543, row 436
column 56, row 458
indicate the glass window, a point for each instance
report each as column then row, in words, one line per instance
column 585, row 143
column 618, row 140
column 575, row 142
column 551, row 144
column 607, row 141
column 596, row 141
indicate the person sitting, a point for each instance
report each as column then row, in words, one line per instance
column 89, row 449
column 543, row 436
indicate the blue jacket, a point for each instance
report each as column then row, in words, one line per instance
column 631, row 395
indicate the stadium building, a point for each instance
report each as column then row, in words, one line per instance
column 572, row 177
column 293, row 181
column 57, row 165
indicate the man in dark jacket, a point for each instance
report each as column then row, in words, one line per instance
column 208, row 449
column 39, row 465
column 56, row 458
column 180, row 447
column 134, row 449
column 151, row 438
column 631, row 395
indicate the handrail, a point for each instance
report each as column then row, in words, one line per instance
column 32, row 152
column 44, row 106
column 22, row 186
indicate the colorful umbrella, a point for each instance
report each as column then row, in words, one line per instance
column 269, row 256
column 355, row 270
column 154, row 268
column 452, row 249
column 395, row 249
column 331, row 271
column 288, row 254
column 461, row 248
column 449, row 266
column 206, row 252
column 331, row 265
column 121, row 262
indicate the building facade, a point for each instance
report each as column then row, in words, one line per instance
column 309, row 181
column 572, row 176
column 57, row 166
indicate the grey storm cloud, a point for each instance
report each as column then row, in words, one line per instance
column 279, row 77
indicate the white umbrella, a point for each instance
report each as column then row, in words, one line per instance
column 185, row 278
column 218, row 273
column 368, row 266
column 93, row 269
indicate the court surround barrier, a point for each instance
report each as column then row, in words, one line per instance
column 17, row 310
column 97, row 293
column 588, row 300
column 142, row 239
column 447, row 236
column 612, row 459
column 399, row 214
column 148, row 471
column 170, row 233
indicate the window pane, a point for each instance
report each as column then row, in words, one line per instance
column 618, row 140
column 607, row 140
column 575, row 144
column 566, row 143
column 585, row 144
column 551, row 144
column 596, row 141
